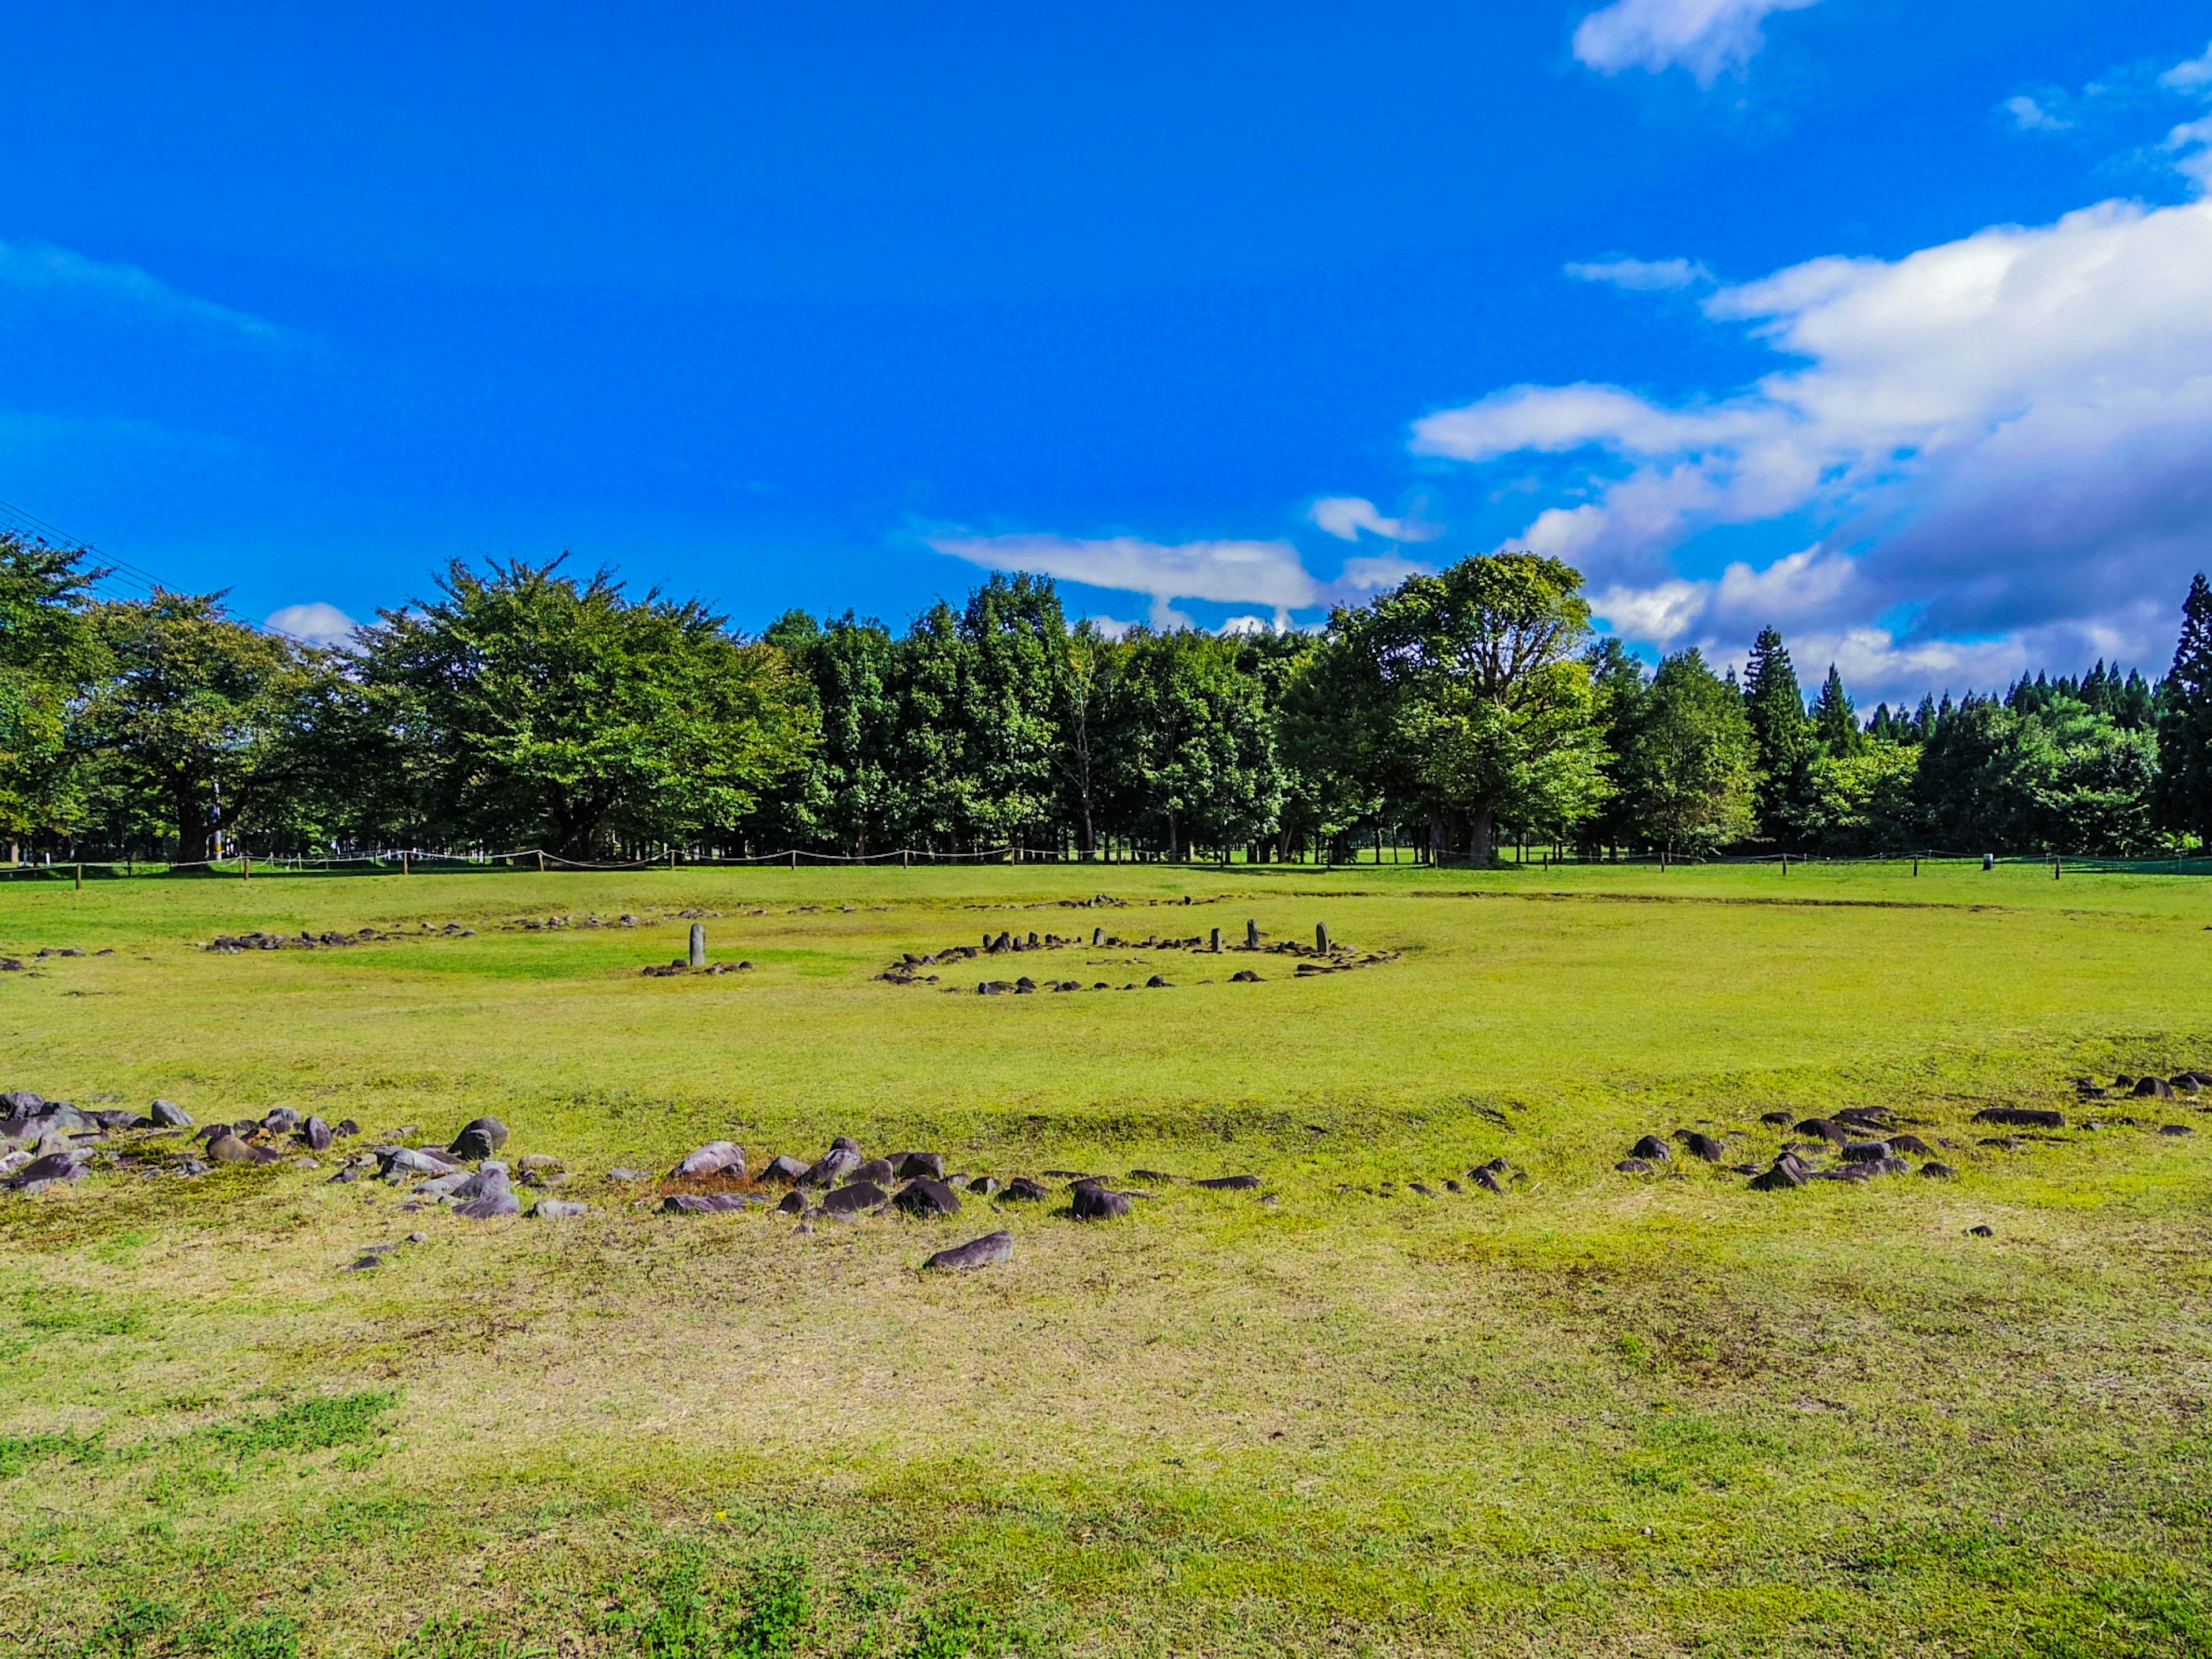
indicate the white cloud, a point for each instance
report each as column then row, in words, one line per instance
column 316, row 623
column 1642, row 276
column 40, row 267
column 2006, row 437
column 1705, row 37
column 2029, row 116
column 1226, row 572
column 1238, row 627
column 2193, row 75
column 1346, row 516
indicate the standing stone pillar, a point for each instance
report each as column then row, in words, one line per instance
column 1251, row 935
column 1321, row 937
column 698, row 944
column 1217, row 941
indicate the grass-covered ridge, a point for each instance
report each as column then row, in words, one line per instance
column 1594, row 1414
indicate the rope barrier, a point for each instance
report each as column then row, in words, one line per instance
column 406, row 860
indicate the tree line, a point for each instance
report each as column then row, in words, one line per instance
column 522, row 706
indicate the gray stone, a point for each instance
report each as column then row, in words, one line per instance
column 1912, row 1144
column 1866, row 1151
column 1781, row 1178
column 318, row 1134
column 479, row 1139
column 1983, row 1231
column 396, row 1162
column 781, row 1167
column 921, row 1163
column 1780, row 1120
column 2021, row 1118
column 794, row 1203
column 877, row 1170
column 41, row 1173
column 558, row 1209
column 449, row 1186
column 227, row 1148
column 1650, row 1147
column 1487, row 1182
column 620, row 1174
column 1937, row 1172
column 832, row 1167
column 853, row 1199
column 924, row 1196
column 492, row 1205
column 1097, row 1204
column 1236, row 1183
column 168, row 1115
column 705, row 1203
column 981, row 1186
column 1023, row 1190
column 715, row 1157
column 1704, row 1146
column 985, row 1252
column 2175, row 1129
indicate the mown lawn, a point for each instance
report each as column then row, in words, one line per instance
column 1595, row 1414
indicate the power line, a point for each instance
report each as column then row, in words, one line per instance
column 134, row 581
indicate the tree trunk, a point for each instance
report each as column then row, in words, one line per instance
column 1482, row 837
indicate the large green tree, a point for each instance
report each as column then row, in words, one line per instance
column 2185, row 722
column 530, row 707
column 214, row 725
column 1190, row 749
column 1692, row 760
column 49, row 656
column 1776, row 705
column 1476, row 674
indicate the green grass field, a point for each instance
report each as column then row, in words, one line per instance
column 1595, row 1414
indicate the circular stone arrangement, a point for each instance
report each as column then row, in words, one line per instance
column 1323, row 956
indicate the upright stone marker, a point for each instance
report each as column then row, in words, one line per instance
column 1251, row 935
column 1097, row 937
column 1321, row 937
column 1217, row 941
column 698, row 944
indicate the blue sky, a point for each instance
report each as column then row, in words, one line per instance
column 1890, row 323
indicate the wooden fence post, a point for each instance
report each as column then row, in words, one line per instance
column 541, row 860
column 80, row 879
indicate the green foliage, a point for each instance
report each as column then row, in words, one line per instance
column 1690, row 759
column 959, row 1629
column 527, row 707
column 1776, row 706
column 47, row 657
column 1835, row 722
column 306, row 1426
column 1189, row 742
column 2185, row 722
column 204, row 723
column 685, row 1616
column 1850, row 805
column 19, row 1452
column 1475, row 678
column 273, row 1637
column 136, row 1621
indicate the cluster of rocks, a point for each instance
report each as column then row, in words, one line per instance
column 1861, row 1143
column 1322, row 957
column 1494, row 1177
column 47, row 1143
column 845, row 1184
column 281, row 1135
column 372, row 1256
column 2144, row 1088
column 443, row 1176
column 682, row 965
column 16, row 964
column 231, row 944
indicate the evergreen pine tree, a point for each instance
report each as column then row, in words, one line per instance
column 1923, row 718
column 1783, row 736
column 1834, row 719
column 2185, row 722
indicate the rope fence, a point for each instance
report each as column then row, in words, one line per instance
column 408, row 860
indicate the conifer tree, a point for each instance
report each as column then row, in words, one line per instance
column 2185, row 722
column 1776, row 707
column 1834, row 719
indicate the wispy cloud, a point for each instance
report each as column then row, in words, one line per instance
column 1267, row 574
column 1642, row 276
column 2193, row 75
column 316, row 623
column 40, row 267
column 2030, row 116
column 1709, row 38
column 1344, row 516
